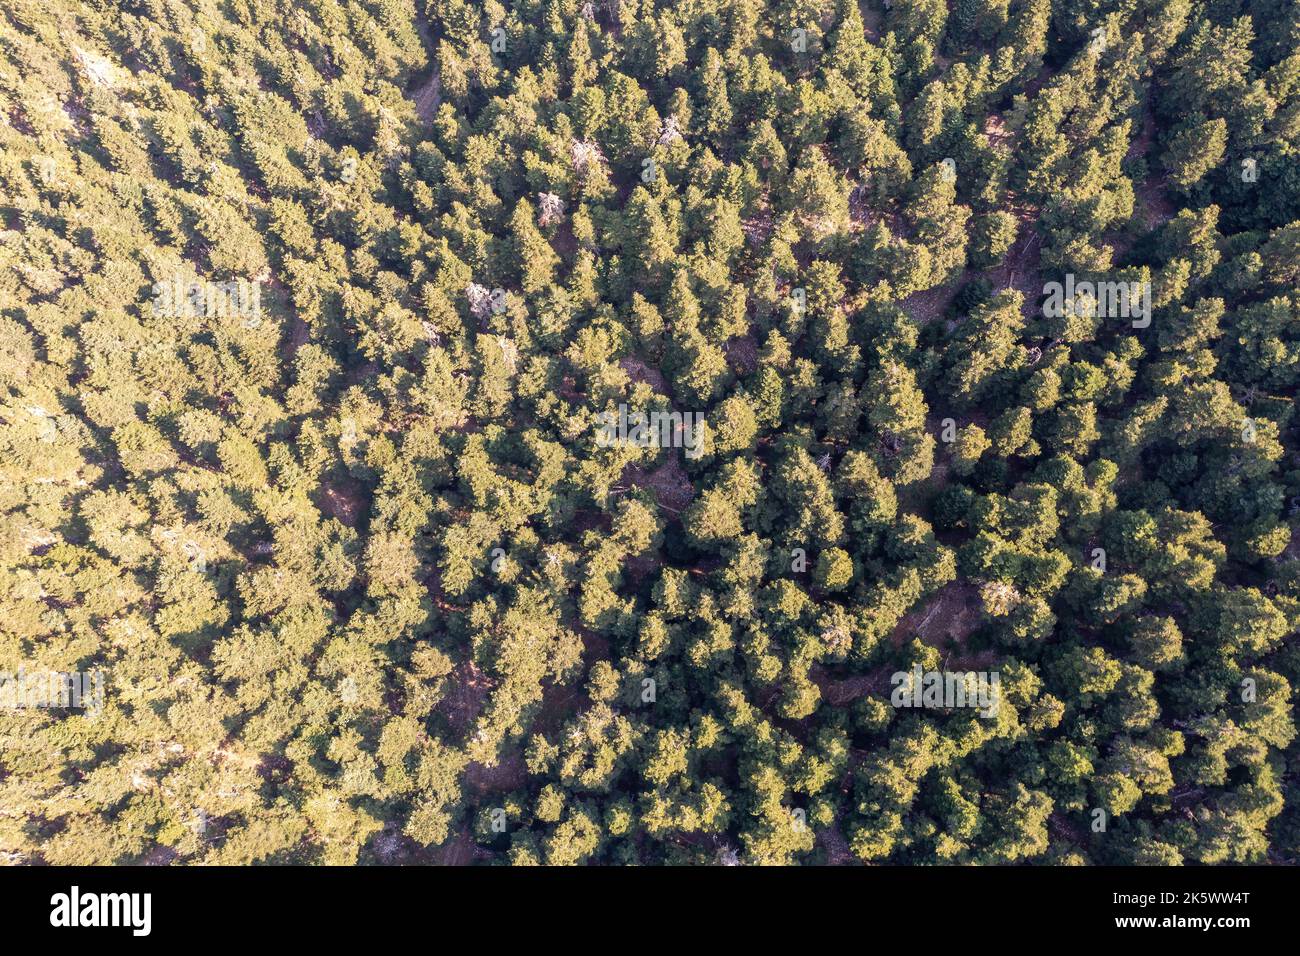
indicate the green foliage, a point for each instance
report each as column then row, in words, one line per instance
column 307, row 316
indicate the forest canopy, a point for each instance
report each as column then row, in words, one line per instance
column 645, row 432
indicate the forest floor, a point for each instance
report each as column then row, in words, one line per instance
column 427, row 95
column 427, row 98
column 342, row 499
column 944, row 621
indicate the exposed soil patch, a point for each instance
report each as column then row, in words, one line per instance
column 1146, row 133
column 639, row 371
column 569, row 391
column 509, row 773
column 668, row 483
column 1038, row 82
column 18, row 120
column 1062, row 828
column 984, row 660
column 758, row 227
column 641, row 566
column 595, row 646
column 1153, row 204
column 872, row 18
column 931, row 304
column 427, row 97
column 832, row 841
column 563, row 241
column 562, row 703
column 1019, row 268
column 1153, row 208
column 342, row 500
column 297, row 334
column 844, row 691
column 160, row 856
column 947, row 619
column 75, row 109
column 458, row 850
column 365, row 372
column 467, row 692
column 589, row 519
column 996, row 132
column 742, row 354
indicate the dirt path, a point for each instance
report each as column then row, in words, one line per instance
column 427, row 97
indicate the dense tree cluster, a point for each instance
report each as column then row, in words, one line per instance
column 364, row 585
